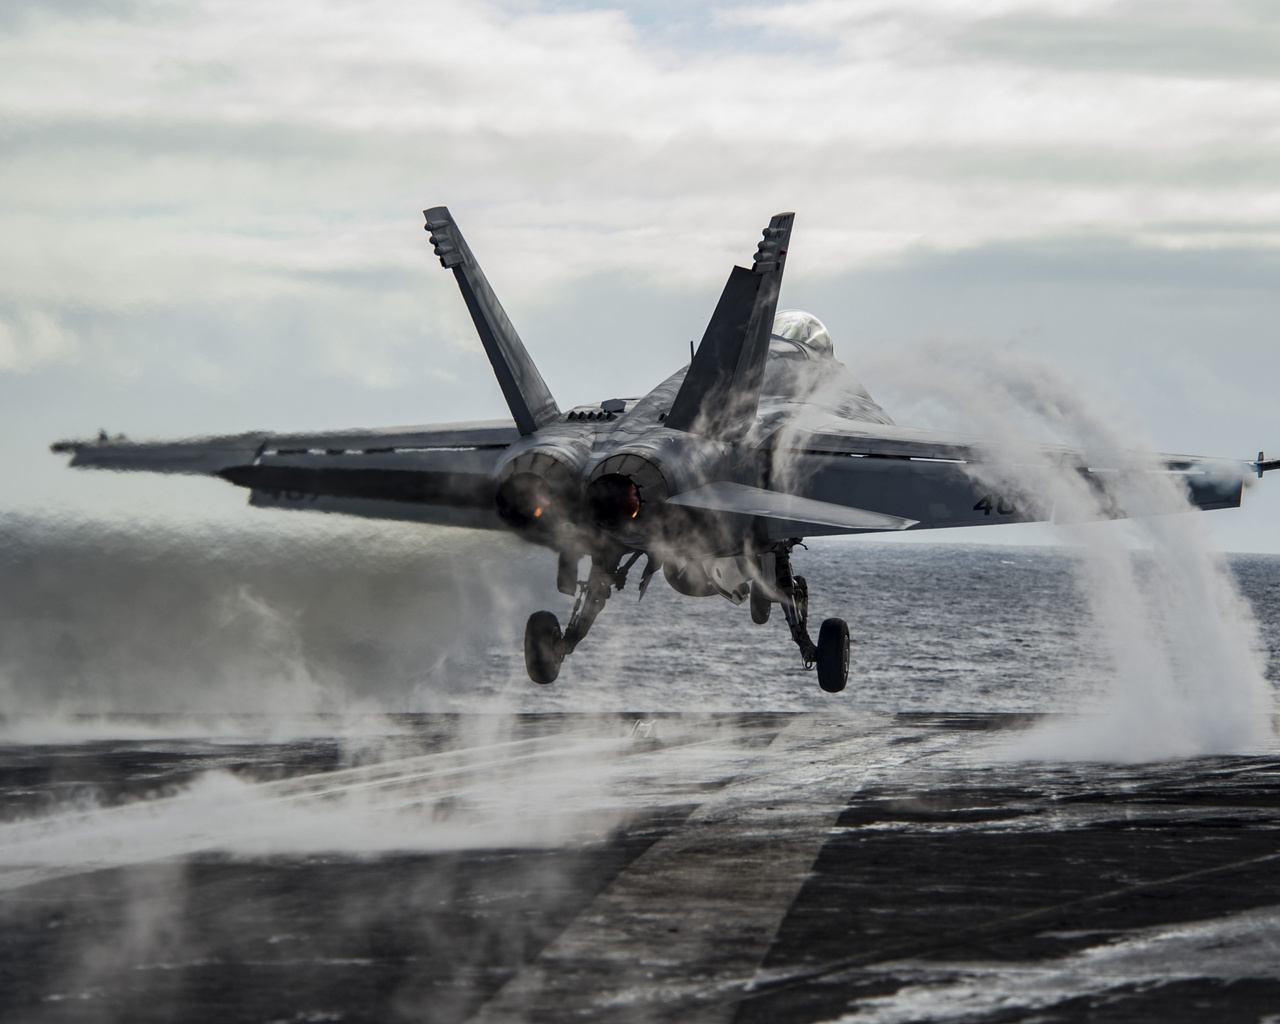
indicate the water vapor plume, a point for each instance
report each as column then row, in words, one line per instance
column 1187, row 672
column 303, row 617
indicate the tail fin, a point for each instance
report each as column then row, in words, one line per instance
column 721, row 391
column 522, row 385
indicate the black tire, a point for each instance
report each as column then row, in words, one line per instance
column 833, row 655
column 541, row 634
column 760, row 603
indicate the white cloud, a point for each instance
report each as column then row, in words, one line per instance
column 226, row 193
column 33, row 338
column 227, row 143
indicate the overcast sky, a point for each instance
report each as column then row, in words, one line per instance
column 210, row 211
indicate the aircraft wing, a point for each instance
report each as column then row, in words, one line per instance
column 837, row 436
column 432, row 474
column 942, row 480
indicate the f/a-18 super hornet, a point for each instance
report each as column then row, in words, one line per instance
column 713, row 477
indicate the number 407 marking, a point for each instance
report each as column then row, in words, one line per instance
column 1002, row 505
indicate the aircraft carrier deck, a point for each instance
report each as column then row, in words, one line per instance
column 696, row 867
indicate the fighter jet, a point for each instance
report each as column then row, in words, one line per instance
column 713, row 477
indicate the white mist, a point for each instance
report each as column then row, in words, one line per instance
column 1185, row 656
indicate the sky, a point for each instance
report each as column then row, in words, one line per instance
column 210, row 210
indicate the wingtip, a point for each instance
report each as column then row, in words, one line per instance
column 1262, row 464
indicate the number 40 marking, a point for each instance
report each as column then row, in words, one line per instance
column 1003, row 505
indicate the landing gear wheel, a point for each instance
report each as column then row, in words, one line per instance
column 760, row 603
column 541, row 634
column 833, row 655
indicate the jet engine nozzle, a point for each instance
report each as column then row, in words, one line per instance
column 626, row 496
column 525, row 502
column 539, row 494
column 615, row 501
column 628, row 490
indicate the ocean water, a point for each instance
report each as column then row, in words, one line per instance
column 311, row 615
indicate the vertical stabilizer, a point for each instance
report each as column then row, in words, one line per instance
column 522, row 385
column 721, row 391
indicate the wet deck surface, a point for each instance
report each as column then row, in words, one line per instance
column 750, row 868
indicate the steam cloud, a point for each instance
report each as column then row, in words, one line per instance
column 1184, row 648
column 306, row 616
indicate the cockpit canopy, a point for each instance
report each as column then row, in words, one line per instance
column 803, row 368
column 806, row 333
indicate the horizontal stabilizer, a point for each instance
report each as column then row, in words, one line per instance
column 724, row 496
column 1264, row 465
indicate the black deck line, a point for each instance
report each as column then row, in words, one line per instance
column 757, row 987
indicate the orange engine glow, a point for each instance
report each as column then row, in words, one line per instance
column 614, row 500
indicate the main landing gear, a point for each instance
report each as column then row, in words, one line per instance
column 545, row 646
column 830, row 655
